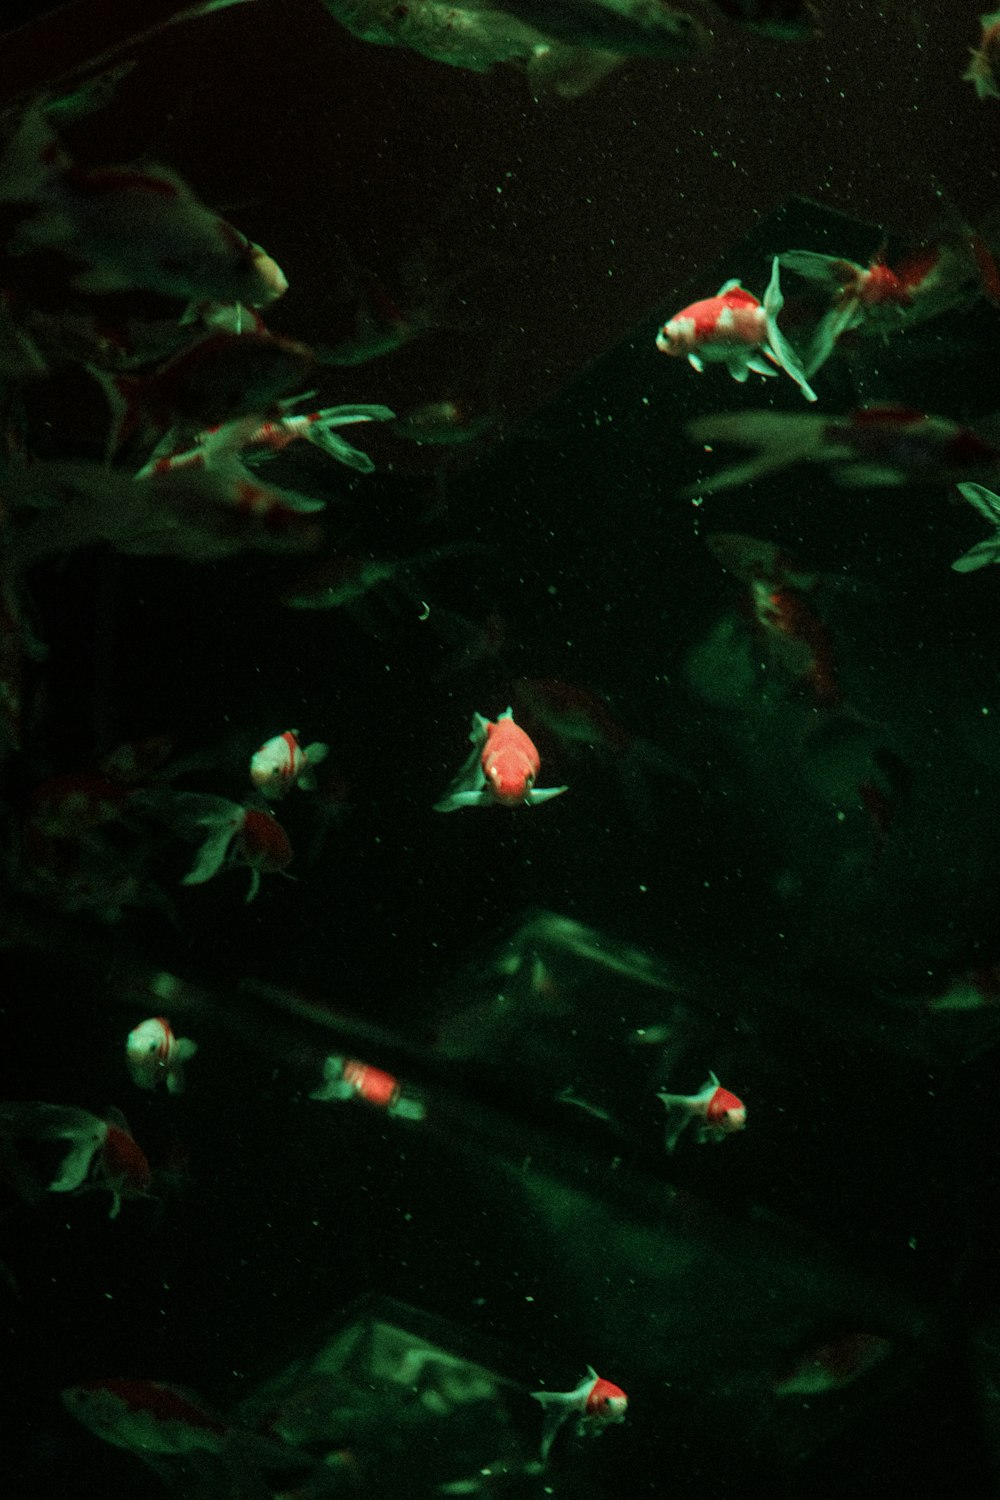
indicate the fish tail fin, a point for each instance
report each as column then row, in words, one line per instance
column 678, row 1118
column 780, row 347
column 212, row 854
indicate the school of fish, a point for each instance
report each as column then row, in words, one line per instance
column 162, row 308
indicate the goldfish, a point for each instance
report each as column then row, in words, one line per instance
column 229, row 834
column 983, row 71
column 154, row 1054
column 833, row 1365
column 140, row 227
column 877, row 446
column 282, row 763
column 100, row 1154
column 156, row 1421
column 144, row 1415
column 879, row 298
column 218, row 446
column 736, row 329
column 244, row 835
column 501, row 768
column 855, row 292
column 800, row 643
column 575, row 41
column 595, row 1404
column 719, row 1112
column 174, row 510
column 447, row 422
column 346, row 1078
column 31, row 153
column 988, row 504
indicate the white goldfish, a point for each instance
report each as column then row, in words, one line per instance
column 154, row 1054
column 282, row 763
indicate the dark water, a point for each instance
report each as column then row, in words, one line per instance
column 738, row 878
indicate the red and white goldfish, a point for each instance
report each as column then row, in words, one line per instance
column 229, row 833
column 595, row 1404
column 139, row 227
column 185, row 511
column 799, row 643
column 157, row 1422
column 983, row 71
column 145, row 1416
column 222, row 443
column 501, row 768
column 155, row 1055
column 879, row 298
column 242, row 835
column 833, row 1365
column 576, row 42
column 346, row 1078
column 99, row 1154
column 877, row 446
column 719, row 1112
column 282, row 763
column 988, row 505
column 735, row 329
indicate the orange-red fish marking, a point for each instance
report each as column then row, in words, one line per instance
column 723, row 1109
column 734, row 317
column 919, row 440
column 262, row 842
column 510, row 762
column 373, row 1084
column 123, row 1166
column 786, row 611
column 159, row 1401
column 606, row 1400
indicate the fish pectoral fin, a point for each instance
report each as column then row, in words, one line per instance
column 758, row 366
column 983, row 500
column 544, row 794
column 333, row 1091
column 979, row 556
column 452, row 801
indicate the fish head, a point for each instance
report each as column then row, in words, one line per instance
column 677, row 337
